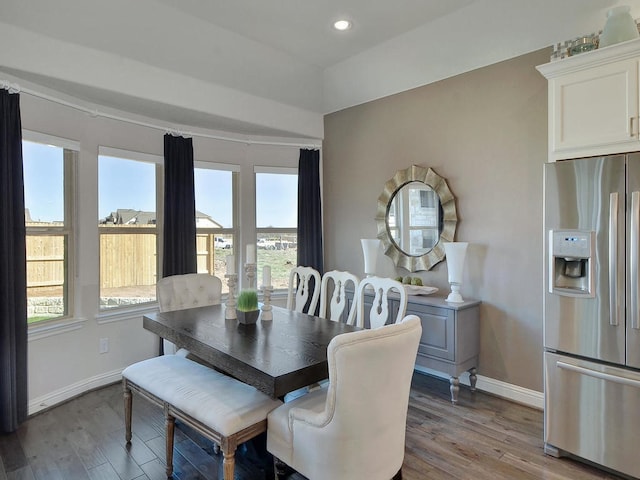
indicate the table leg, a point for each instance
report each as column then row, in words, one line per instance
column 128, row 401
column 473, row 378
column 454, row 388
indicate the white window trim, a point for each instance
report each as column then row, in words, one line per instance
column 37, row 137
column 126, row 312
column 235, row 204
column 67, row 322
column 129, row 155
column 49, row 329
column 258, row 169
column 227, row 167
column 278, row 170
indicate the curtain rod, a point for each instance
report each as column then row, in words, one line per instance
column 15, row 88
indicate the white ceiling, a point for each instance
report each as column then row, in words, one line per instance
column 268, row 67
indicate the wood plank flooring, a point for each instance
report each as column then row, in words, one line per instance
column 483, row 437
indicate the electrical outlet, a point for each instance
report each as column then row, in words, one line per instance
column 104, row 345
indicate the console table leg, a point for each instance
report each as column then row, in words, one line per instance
column 454, row 388
column 473, row 378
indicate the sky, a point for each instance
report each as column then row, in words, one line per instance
column 43, row 179
column 131, row 184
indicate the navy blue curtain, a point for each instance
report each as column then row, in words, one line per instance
column 179, row 249
column 13, row 268
column 310, row 252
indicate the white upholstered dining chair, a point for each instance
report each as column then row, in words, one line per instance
column 353, row 429
column 380, row 312
column 177, row 292
column 333, row 295
column 302, row 296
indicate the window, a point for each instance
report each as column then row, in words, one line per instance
column 127, row 200
column 48, row 167
column 215, row 187
column 277, row 222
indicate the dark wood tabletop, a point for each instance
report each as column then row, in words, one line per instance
column 276, row 357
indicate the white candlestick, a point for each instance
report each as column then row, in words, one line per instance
column 267, row 313
column 231, row 264
column 251, row 254
column 266, row 276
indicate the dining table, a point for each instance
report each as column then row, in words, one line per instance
column 276, row 356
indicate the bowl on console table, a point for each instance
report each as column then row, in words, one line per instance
column 419, row 290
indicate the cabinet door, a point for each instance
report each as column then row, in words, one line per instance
column 594, row 111
column 438, row 331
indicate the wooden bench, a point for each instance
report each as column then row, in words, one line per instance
column 219, row 407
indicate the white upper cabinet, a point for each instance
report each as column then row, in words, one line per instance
column 593, row 102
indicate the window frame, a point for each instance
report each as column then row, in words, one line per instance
column 71, row 153
column 235, row 214
column 278, row 171
column 258, row 169
column 158, row 162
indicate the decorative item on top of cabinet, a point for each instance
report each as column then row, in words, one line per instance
column 450, row 340
column 594, row 102
column 620, row 27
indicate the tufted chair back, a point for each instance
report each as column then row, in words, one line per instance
column 191, row 290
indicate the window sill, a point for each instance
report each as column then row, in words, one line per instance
column 50, row 329
column 123, row 314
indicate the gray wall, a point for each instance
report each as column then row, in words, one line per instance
column 485, row 132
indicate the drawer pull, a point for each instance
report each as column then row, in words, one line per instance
column 600, row 375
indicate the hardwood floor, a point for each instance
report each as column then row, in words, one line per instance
column 483, row 437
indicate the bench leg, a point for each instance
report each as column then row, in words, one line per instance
column 127, row 411
column 170, row 424
column 229, row 463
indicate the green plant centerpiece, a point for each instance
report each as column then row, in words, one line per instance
column 247, row 307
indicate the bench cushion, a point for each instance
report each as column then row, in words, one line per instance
column 220, row 402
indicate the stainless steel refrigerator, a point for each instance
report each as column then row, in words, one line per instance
column 592, row 310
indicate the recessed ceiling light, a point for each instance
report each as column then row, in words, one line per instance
column 342, row 25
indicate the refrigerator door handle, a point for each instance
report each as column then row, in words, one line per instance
column 633, row 260
column 596, row 374
column 613, row 258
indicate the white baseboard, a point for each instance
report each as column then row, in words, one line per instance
column 49, row 400
column 511, row 392
column 525, row 396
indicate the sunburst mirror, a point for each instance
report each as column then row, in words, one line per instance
column 416, row 214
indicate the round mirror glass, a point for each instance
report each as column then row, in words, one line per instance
column 416, row 215
column 414, row 218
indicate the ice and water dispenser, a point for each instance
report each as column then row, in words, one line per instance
column 571, row 262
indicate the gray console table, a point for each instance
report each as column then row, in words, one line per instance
column 450, row 340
